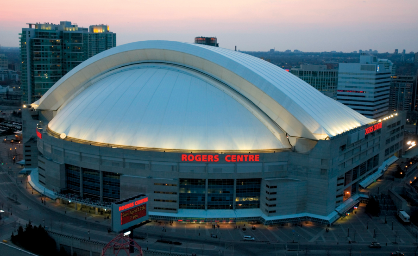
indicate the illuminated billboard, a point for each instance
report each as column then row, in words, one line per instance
column 373, row 128
column 129, row 212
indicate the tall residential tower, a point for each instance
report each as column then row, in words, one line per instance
column 49, row 51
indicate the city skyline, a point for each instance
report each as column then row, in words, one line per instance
column 250, row 25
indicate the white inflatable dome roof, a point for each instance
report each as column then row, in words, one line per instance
column 163, row 94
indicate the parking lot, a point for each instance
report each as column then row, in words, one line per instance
column 358, row 227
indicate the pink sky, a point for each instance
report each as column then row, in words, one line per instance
column 307, row 25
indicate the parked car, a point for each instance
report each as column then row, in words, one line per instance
column 213, row 236
column 375, row 245
column 249, row 238
column 398, row 253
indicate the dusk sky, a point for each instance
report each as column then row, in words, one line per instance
column 307, row 25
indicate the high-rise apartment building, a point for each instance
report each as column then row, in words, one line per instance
column 403, row 93
column 3, row 61
column 49, row 51
column 323, row 79
column 100, row 39
column 212, row 41
column 365, row 86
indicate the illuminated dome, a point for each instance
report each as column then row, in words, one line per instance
column 162, row 106
column 171, row 95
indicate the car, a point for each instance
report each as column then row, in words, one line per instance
column 375, row 245
column 213, row 236
column 249, row 238
column 397, row 253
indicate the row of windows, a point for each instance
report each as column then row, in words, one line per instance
column 91, row 183
column 271, row 186
column 220, row 193
column 165, row 184
column 167, row 201
column 165, row 209
column 163, row 192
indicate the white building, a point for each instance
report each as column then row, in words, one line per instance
column 365, row 86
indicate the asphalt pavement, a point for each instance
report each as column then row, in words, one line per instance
column 21, row 205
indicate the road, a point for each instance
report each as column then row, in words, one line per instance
column 24, row 206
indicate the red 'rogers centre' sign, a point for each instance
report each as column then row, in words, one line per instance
column 373, row 128
column 132, row 204
column 215, row 158
column 133, row 214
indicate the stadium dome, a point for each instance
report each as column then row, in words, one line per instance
column 171, row 95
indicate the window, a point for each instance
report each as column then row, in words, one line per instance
column 163, row 192
column 247, row 193
column 165, row 209
column 72, row 177
column 192, row 193
column 91, row 183
column 220, row 193
column 167, row 201
column 111, row 186
column 165, row 184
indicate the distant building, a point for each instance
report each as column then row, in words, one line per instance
column 365, row 86
column 416, row 57
column 49, row 51
column 212, row 41
column 318, row 76
column 8, row 75
column 403, row 93
column 396, row 51
column 272, row 50
column 3, row 61
column 296, row 51
column 388, row 65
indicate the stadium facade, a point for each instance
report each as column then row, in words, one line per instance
column 208, row 134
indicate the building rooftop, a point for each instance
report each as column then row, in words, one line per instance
column 190, row 92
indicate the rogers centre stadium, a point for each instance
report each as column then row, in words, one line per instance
column 208, row 134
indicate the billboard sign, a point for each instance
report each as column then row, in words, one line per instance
column 129, row 212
